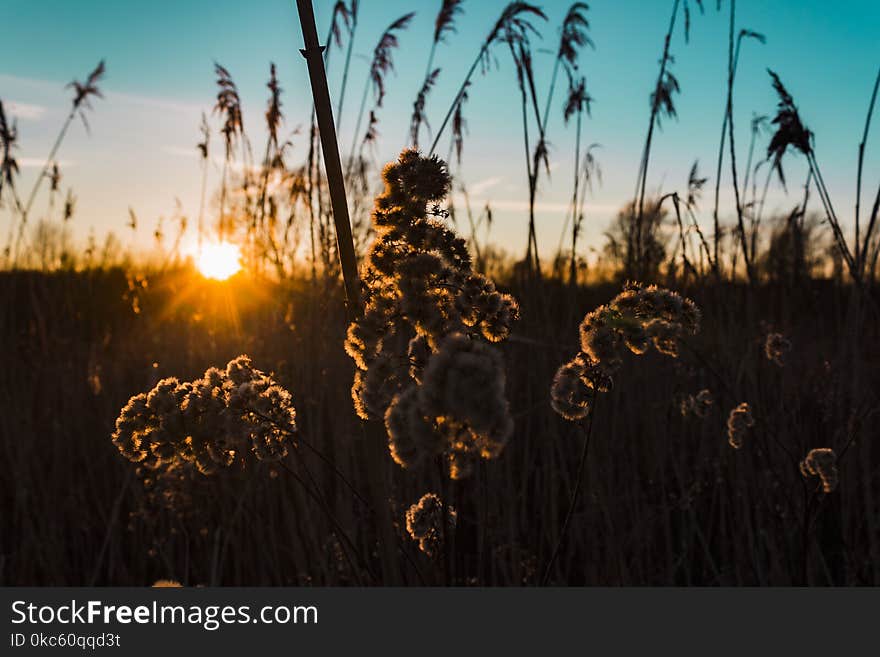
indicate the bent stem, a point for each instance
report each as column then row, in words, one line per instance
column 574, row 498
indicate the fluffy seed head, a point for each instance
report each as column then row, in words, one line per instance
column 821, row 462
column 637, row 318
column 210, row 422
column 739, row 422
column 776, row 348
column 423, row 345
column 425, row 522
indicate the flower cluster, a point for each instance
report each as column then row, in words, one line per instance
column 822, row 463
column 776, row 348
column 426, row 365
column 739, row 422
column 210, row 422
column 698, row 404
column 424, row 522
column 636, row 319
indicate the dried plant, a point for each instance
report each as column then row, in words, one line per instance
column 211, row 422
column 861, row 254
column 634, row 320
column 513, row 24
column 578, row 103
column 203, row 147
column 661, row 103
column 821, row 462
column 341, row 15
column 83, row 92
column 776, row 348
column 352, row 19
column 8, row 164
column 443, row 25
column 698, row 405
column 381, row 64
column 791, row 132
column 418, row 115
column 739, row 422
column 428, row 521
column 520, row 51
column 727, row 131
column 422, row 348
column 459, row 125
column 229, row 107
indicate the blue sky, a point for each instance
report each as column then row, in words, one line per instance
column 141, row 150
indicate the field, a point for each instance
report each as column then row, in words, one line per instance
column 514, row 422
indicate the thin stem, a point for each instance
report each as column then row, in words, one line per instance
column 333, row 521
column 458, row 96
column 655, row 107
column 574, row 498
column 575, row 227
column 344, row 82
column 860, row 253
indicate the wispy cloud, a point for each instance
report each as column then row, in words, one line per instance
column 179, row 151
column 38, row 162
column 516, row 205
column 26, row 111
column 36, row 85
column 151, row 102
column 482, row 186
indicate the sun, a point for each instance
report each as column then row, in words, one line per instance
column 219, row 261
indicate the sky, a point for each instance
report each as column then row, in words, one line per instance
column 141, row 149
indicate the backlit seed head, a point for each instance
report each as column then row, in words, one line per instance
column 422, row 346
column 739, row 422
column 637, row 318
column 210, row 422
column 776, row 348
column 570, row 395
column 698, row 405
column 821, row 462
column 425, row 522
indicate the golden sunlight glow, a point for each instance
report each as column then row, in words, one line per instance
column 219, row 261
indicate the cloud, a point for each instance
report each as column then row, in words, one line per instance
column 517, row 205
column 26, row 111
column 181, row 152
column 39, row 162
column 192, row 152
column 151, row 102
column 35, row 85
column 482, row 185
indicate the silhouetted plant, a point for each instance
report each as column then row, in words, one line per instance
column 791, row 132
column 229, row 107
column 422, row 346
column 83, row 92
column 380, row 65
column 443, row 24
column 513, row 22
column 727, row 130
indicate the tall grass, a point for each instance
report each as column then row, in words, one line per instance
column 463, row 454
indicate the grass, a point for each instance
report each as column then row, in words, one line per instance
column 647, row 488
column 666, row 500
